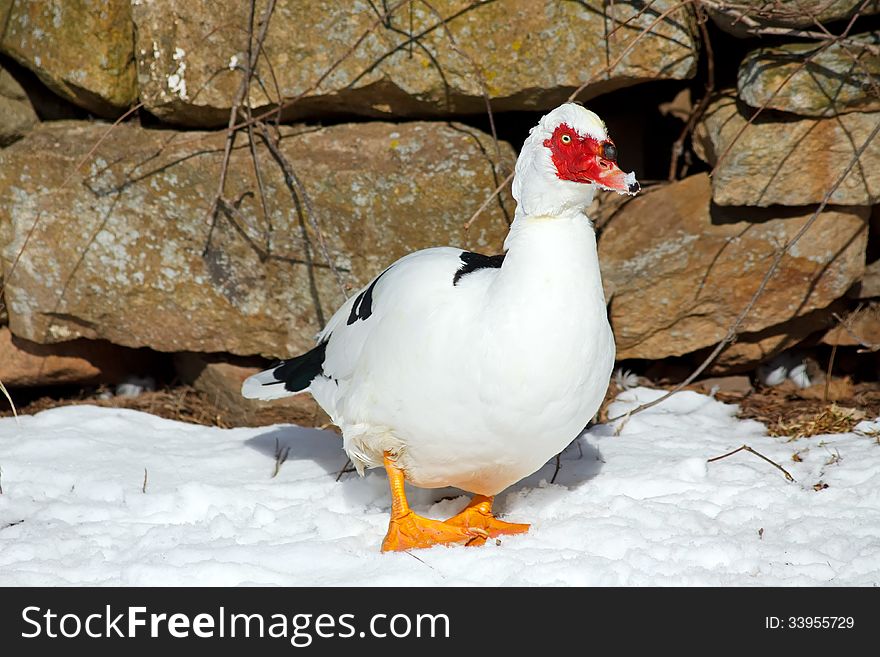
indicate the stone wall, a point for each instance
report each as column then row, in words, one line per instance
column 111, row 238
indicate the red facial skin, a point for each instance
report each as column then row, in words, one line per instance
column 583, row 159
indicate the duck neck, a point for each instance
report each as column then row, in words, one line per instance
column 552, row 263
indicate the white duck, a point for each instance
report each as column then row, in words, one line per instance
column 453, row 368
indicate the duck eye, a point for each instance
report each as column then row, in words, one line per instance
column 609, row 151
column 566, row 139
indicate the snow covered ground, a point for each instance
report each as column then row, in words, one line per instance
column 640, row 508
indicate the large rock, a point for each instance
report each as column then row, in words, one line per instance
column 81, row 49
column 788, row 162
column 17, row 116
column 783, row 13
column 125, row 252
column 25, row 364
column 677, row 287
column 840, row 78
column 525, row 54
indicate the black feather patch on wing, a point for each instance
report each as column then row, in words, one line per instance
column 471, row 262
column 298, row 373
column 363, row 305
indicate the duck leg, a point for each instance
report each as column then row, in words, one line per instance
column 478, row 515
column 408, row 530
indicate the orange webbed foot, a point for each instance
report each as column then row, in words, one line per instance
column 478, row 515
column 412, row 531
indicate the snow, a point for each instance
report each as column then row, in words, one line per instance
column 639, row 508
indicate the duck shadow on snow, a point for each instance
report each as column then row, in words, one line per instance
column 302, row 444
column 579, row 462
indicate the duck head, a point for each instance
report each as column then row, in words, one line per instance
column 564, row 160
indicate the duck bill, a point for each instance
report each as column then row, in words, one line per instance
column 615, row 180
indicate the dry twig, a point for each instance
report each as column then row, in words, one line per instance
column 241, row 96
column 558, row 468
column 869, row 347
column 281, row 454
column 697, row 112
column 488, row 200
column 9, row 399
column 347, row 468
column 746, row 448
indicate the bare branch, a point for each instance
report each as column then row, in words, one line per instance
column 697, row 113
column 281, row 454
column 486, row 203
column 847, row 326
column 348, row 467
column 240, row 96
column 828, row 374
column 558, row 468
column 9, row 399
column 746, row 448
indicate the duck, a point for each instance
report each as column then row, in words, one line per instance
column 453, row 368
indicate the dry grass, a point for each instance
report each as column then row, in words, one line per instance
column 181, row 403
column 832, row 419
column 791, row 413
column 873, row 434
